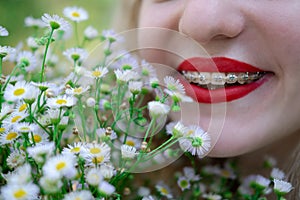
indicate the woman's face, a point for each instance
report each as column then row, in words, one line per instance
column 258, row 37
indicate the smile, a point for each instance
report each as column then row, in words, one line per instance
column 217, row 80
column 220, row 79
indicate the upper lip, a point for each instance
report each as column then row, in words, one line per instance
column 216, row 64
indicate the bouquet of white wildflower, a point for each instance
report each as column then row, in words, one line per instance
column 84, row 134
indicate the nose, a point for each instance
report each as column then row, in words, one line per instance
column 205, row 20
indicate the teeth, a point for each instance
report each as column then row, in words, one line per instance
column 216, row 79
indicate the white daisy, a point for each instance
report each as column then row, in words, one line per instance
column 33, row 22
column 131, row 141
column 21, row 107
column 15, row 159
column 112, row 36
column 41, row 153
column 282, row 187
column 50, row 185
column 44, row 85
column 107, row 170
column 21, row 175
column 157, row 109
column 143, row 191
column 154, row 82
column 99, row 72
column 6, row 50
column 126, row 75
column 96, row 154
column 76, row 54
column 127, row 63
column 31, row 43
column 104, row 105
column 18, row 91
column 277, row 174
column 90, row 102
column 197, row 143
column 3, row 31
column 189, row 172
column 148, row 70
column 9, row 137
column 79, row 195
column 164, row 190
column 174, row 84
column 77, row 90
column 76, row 148
column 55, row 22
column 128, row 152
column 61, row 101
column 76, row 14
column 14, row 118
column 38, row 137
column 93, row 176
column 90, row 33
column 26, row 127
column 148, row 197
column 27, row 60
column 6, row 110
column 270, row 161
column 210, row 196
column 179, row 130
column 135, row 86
column 261, row 182
column 106, row 188
column 60, row 166
column 20, row 192
column 184, row 183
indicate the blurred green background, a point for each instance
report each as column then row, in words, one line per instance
column 13, row 13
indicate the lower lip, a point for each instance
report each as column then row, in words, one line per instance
column 226, row 94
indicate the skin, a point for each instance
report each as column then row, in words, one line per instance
column 265, row 34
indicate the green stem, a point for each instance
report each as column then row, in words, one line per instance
column 149, row 127
column 76, row 33
column 1, row 59
column 45, row 55
column 11, row 75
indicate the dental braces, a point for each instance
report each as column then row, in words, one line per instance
column 217, row 78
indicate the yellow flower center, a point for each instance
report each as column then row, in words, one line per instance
column 75, row 150
column 98, row 159
column 37, row 138
column 19, row 91
column 130, row 143
column 15, row 119
column 20, row 193
column 75, row 14
column 164, row 191
column 24, row 128
column 61, row 101
column 96, row 73
column 11, row 136
column 225, row 173
column 2, row 129
column 78, row 90
column 60, row 166
column 22, row 107
column 77, row 198
column 190, row 132
column 95, row 150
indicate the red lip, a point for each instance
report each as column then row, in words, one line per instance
column 219, row 64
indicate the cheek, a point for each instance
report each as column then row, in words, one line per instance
column 164, row 14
